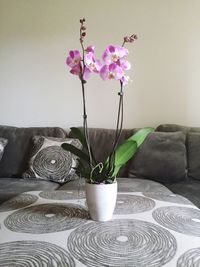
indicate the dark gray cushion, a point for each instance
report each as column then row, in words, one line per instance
column 101, row 141
column 172, row 128
column 3, row 143
column 49, row 161
column 14, row 160
column 176, row 128
column 188, row 189
column 162, row 157
column 193, row 145
column 11, row 187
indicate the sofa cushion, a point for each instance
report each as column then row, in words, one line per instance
column 162, row 157
column 3, row 143
column 172, row 128
column 11, row 187
column 49, row 161
column 14, row 160
column 176, row 128
column 101, row 141
column 193, row 146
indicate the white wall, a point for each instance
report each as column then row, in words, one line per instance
column 36, row 88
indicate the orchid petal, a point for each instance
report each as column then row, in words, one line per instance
column 87, row 73
column 118, row 73
column 124, row 64
column 90, row 49
column 98, row 65
column 92, row 64
column 74, row 58
column 76, row 70
column 111, row 48
column 104, row 72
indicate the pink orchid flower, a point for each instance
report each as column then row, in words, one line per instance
column 89, row 49
column 91, row 63
column 124, row 64
column 113, row 53
column 76, row 70
column 87, row 73
column 112, row 71
column 73, row 59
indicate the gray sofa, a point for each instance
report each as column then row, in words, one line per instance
column 15, row 159
column 169, row 156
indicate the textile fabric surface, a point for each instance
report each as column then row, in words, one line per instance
column 53, row 228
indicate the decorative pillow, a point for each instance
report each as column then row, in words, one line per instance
column 3, row 143
column 49, row 161
column 162, row 157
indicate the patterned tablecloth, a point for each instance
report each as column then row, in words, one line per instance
column 53, row 229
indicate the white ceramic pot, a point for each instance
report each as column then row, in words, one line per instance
column 101, row 200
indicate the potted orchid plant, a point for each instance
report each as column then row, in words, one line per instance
column 112, row 67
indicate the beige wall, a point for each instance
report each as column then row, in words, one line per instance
column 36, row 88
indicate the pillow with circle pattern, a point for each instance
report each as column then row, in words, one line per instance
column 49, row 161
column 3, row 143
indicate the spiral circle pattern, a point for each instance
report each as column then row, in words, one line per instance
column 180, row 219
column 168, row 198
column 191, row 258
column 34, row 253
column 18, row 202
column 129, row 243
column 129, row 204
column 46, row 218
column 53, row 162
column 62, row 195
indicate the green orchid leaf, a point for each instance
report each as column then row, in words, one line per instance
column 80, row 163
column 123, row 153
column 81, row 166
column 77, row 152
column 109, row 181
column 126, row 150
column 140, row 135
column 77, row 133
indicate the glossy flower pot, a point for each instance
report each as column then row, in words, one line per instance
column 101, row 200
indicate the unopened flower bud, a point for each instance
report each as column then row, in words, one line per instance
column 126, row 39
column 83, row 34
column 131, row 40
column 83, row 28
column 135, row 37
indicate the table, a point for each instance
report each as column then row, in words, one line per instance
column 54, row 229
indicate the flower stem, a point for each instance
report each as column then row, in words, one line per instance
column 85, row 127
column 118, row 128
